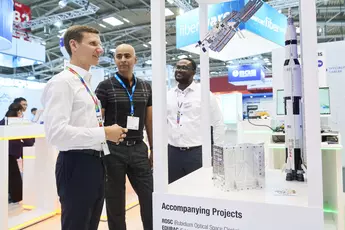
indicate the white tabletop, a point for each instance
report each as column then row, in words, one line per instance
column 200, row 184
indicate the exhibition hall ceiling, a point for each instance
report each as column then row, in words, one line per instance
column 133, row 18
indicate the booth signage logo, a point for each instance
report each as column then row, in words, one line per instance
column 245, row 73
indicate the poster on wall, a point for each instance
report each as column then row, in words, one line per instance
column 322, row 70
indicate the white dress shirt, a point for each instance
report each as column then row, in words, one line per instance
column 188, row 132
column 70, row 119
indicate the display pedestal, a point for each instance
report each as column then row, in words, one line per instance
column 43, row 204
column 333, row 198
column 194, row 200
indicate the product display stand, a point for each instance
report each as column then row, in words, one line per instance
column 331, row 176
column 43, row 205
column 193, row 202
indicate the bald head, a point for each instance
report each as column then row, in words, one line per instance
column 125, row 59
column 125, row 48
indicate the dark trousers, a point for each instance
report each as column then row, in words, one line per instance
column 80, row 182
column 133, row 161
column 181, row 162
column 15, row 183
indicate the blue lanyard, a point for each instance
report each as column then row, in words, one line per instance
column 130, row 96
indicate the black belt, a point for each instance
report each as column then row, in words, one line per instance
column 90, row 152
column 186, row 148
column 130, row 142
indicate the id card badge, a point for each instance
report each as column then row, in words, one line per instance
column 105, row 148
column 133, row 123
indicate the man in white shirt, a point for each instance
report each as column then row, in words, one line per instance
column 184, row 122
column 73, row 123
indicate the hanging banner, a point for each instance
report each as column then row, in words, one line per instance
column 22, row 13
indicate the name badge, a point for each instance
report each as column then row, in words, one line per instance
column 105, row 148
column 133, row 123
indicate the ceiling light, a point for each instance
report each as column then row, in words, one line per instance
column 255, row 58
column 112, row 21
column 171, row 1
column 145, row 45
column 31, row 78
column 112, row 50
column 182, row 56
column 59, row 36
column 126, row 20
column 62, row 3
column 181, row 11
column 269, row 63
column 168, row 12
column 102, row 25
column 58, row 24
column 149, row 62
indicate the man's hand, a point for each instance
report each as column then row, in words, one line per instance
column 115, row 133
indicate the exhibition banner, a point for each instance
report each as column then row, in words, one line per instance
column 22, row 12
column 246, row 74
column 6, row 23
column 187, row 25
column 177, row 212
column 267, row 22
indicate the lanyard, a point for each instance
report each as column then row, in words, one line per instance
column 130, row 96
column 100, row 123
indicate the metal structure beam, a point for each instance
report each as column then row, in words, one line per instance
column 183, row 4
column 87, row 8
column 284, row 4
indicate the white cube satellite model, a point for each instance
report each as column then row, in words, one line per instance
column 239, row 167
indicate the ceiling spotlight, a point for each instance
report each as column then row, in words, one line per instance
column 58, row 24
column 62, row 3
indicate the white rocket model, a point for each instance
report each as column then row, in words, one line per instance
column 293, row 107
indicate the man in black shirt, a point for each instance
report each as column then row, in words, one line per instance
column 127, row 101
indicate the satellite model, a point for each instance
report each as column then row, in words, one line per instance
column 293, row 106
column 239, row 167
column 225, row 30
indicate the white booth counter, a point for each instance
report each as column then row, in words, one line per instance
column 39, row 189
column 332, row 177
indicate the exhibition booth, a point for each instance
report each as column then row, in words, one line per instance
column 254, row 129
column 199, row 200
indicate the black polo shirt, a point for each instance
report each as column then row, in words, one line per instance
column 115, row 101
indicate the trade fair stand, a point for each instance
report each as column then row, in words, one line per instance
column 192, row 202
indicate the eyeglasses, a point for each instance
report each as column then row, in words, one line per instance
column 183, row 68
